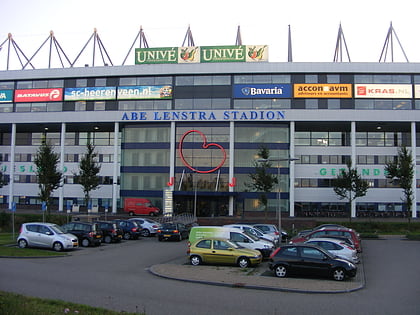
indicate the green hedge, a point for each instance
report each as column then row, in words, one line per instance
column 6, row 220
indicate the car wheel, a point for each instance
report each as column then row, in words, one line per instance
column 145, row 233
column 107, row 239
column 280, row 271
column 339, row 274
column 22, row 243
column 243, row 262
column 58, row 247
column 126, row 236
column 195, row 260
column 85, row 242
column 131, row 213
column 152, row 214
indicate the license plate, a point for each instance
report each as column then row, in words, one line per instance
column 120, row 236
column 98, row 236
column 166, row 235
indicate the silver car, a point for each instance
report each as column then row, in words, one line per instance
column 47, row 235
column 148, row 227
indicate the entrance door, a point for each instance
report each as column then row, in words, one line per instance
column 202, row 206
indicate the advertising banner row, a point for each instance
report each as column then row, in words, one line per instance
column 318, row 90
column 201, row 54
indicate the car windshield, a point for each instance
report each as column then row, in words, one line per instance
column 57, row 229
column 253, row 237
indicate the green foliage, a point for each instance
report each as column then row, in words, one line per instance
column 16, row 304
column 261, row 180
column 88, row 172
column 401, row 172
column 349, row 184
column 49, row 178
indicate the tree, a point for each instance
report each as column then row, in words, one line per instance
column 261, row 180
column 401, row 172
column 88, row 172
column 349, row 185
column 49, row 178
column 3, row 179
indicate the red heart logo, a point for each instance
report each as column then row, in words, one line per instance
column 204, row 145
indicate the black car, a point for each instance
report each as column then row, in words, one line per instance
column 111, row 231
column 306, row 259
column 173, row 231
column 88, row 234
column 131, row 230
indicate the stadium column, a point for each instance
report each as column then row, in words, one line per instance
column 292, row 170
column 353, row 163
column 231, row 165
column 414, row 155
column 115, row 169
column 12, row 165
column 61, row 189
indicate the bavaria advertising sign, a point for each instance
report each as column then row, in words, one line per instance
column 90, row 93
column 6, row 96
column 322, row 90
column 203, row 54
column 383, row 90
column 39, row 95
column 144, row 92
column 262, row 91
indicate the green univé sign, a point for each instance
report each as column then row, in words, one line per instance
column 201, row 54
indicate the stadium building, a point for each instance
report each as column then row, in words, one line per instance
column 185, row 132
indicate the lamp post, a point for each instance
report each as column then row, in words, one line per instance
column 278, row 160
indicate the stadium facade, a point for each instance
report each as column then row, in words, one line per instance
column 186, row 136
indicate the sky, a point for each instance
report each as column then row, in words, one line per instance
column 314, row 27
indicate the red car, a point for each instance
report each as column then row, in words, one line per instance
column 325, row 232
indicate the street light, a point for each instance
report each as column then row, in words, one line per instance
column 278, row 160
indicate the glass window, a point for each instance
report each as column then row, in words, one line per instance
column 24, row 85
column 80, row 106
column 7, row 85
column 262, row 135
column 128, row 81
column 184, row 103
column 333, row 78
column 221, row 80
column 81, row 82
column 39, row 107
column 55, row 107
column 311, row 103
column 202, row 80
column 99, row 105
column 163, row 80
column 100, row 82
column 363, row 104
column 280, row 78
column 311, row 78
column 333, row 104
column 184, row 80
column 260, row 78
column 6, row 108
column 23, row 107
column 55, row 83
column 145, row 81
column 40, row 84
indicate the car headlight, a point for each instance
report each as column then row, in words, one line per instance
column 351, row 265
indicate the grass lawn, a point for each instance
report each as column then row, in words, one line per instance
column 6, row 239
column 15, row 304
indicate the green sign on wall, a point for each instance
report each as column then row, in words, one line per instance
column 203, row 54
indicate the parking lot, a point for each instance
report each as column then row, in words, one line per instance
column 116, row 276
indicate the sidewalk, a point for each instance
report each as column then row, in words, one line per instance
column 255, row 278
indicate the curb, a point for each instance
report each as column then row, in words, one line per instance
column 177, row 272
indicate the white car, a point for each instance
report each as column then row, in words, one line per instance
column 47, row 235
column 148, row 227
column 272, row 230
column 249, row 229
column 337, row 248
